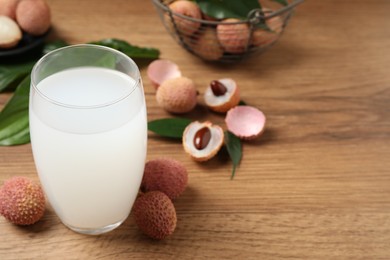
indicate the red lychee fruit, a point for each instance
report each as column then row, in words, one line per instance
column 22, row 201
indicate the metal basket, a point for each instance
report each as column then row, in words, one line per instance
column 227, row 41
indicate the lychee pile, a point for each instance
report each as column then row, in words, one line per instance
column 18, row 16
column 178, row 95
column 22, row 201
column 223, row 37
column 164, row 180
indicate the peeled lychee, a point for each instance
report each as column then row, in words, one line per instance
column 10, row 33
column 166, row 175
column 155, row 214
column 222, row 95
column 202, row 140
column 22, row 201
column 233, row 35
column 186, row 8
column 177, row 95
column 8, row 8
column 33, row 16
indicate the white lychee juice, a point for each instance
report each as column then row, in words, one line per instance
column 89, row 135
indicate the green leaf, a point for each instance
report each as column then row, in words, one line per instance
column 282, row 2
column 222, row 9
column 12, row 74
column 128, row 49
column 242, row 103
column 169, row 127
column 14, row 128
column 234, row 148
column 51, row 46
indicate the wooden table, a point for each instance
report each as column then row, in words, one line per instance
column 315, row 185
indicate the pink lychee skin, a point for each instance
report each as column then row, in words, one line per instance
column 246, row 122
column 8, row 8
column 189, row 9
column 166, row 175
column 161, row 70
column 22, row 201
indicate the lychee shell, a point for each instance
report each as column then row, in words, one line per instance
column 22, row 201
column 155, row 214
column 166, row 175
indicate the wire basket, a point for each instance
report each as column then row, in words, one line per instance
column 231, row 40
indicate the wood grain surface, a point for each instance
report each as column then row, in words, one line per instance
column 316, row 185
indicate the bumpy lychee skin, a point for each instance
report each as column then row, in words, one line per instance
column 189, row 9
column 166, row 175
column 33, row 16
column 22, row 201
column 177, row 95
column 234, row 38
column 8, row 8
column 155, row 214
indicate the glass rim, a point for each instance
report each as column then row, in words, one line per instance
column 93, row 46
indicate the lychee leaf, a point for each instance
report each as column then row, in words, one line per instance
column 222, row 9
column 12, row 74
column 169, row 127
column 14, row 127
column 234, row 148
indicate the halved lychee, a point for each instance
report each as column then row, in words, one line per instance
column 222, row 95
column 202, row 141
column 246, row 122
column 162, row 70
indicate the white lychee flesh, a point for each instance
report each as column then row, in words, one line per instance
column 223, row 102
column 212, row 148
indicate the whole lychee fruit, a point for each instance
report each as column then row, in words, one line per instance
column 207, row 45
column 233, row 35
column 177, row 95
column 189, row 9
column 263, row 38
column 155, row 214
column 166, row 175
column 33, row 16
column 8, row 8
column 22, row 201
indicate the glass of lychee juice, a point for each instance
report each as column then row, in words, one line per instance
column 88, row 129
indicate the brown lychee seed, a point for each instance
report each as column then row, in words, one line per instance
column 246, row 122
column 161, row 70
column 264, row 38
column 8, row 8
column 33, row 16
column 166, row 175
column 222, row 95
column 233, row 35
column 155, row 214
column 207, row 45
column 183, row 25
column 22, row 201
column 177, row 95
column 202, row 141
column 10, row 33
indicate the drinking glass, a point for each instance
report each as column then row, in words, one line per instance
column 88, row 130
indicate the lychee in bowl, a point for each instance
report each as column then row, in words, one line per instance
column 226, row 40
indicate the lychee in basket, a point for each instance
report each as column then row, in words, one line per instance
column 226, row 40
